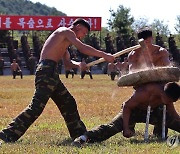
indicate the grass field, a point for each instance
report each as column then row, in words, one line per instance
column 98, row 100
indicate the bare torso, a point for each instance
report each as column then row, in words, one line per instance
column 14, row 66
column 150, row 93
column 155, row 56
column 118, row 66
column 111, row 67
column 56, row 45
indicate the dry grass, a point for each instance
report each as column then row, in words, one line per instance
column 98, row 100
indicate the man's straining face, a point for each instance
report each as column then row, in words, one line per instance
column 81, row 31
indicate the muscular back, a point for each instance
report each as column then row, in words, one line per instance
column 149, row 94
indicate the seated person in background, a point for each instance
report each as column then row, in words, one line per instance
column 16, row 70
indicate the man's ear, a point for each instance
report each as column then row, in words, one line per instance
column 78, row 26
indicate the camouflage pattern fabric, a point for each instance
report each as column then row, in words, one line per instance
column 106, row 131
column 48, row 85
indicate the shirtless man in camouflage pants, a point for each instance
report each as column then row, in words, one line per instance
column 48, row 85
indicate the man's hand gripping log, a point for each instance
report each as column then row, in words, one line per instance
column 117, row 54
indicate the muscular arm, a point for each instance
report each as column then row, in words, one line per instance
column 164, row 58
column 18, row 67
column 84, row 48
column 135, row 101
column 12, row 68
column 127, row 108
column 68, row 62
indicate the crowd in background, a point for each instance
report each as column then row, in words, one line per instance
column 112, row 45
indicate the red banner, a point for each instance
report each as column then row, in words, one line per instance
column 43, row 22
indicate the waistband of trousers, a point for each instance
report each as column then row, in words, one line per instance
column 48, row 62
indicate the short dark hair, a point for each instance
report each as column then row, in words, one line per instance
column 82, row 22
column 144, row 33
column 172, row 90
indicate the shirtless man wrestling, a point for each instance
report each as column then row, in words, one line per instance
column 154, row 94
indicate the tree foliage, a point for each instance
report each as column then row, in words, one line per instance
column 25, row 7
column 177, row 27
column 160, row 27
column 121, row 22
column 140, row 23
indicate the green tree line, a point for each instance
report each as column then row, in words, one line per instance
column 121, row 20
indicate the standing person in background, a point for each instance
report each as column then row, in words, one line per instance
column 48, row 84
column 107, row 40
column 119, row 42
column 32, row 61
column 132, row 40
column 1, row 65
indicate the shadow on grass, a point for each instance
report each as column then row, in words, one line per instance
column 151, row 140
column 65, row 142
column 68, row 142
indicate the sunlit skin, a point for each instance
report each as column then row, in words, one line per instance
column 15, row 66
column 55, row 47
column 148, row 94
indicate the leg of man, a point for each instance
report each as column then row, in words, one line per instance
column 68, row 108
column 72, row 73
column 90, row 75
column 1, row 71
column 66, row 74
column 171, row 122
column 83, row 74
column 14, row 74
column 112, row 75
column 42, row 93
column 21, row 74
column 156, row 120
column 106, row 131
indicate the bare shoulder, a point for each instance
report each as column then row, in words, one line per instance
column 133, row 54
column 63, row 30
column 161, row 50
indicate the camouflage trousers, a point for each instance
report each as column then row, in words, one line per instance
column 47, row 85
column 106, row 131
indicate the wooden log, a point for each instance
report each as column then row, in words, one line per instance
column 100, row 60
column 157, row 74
